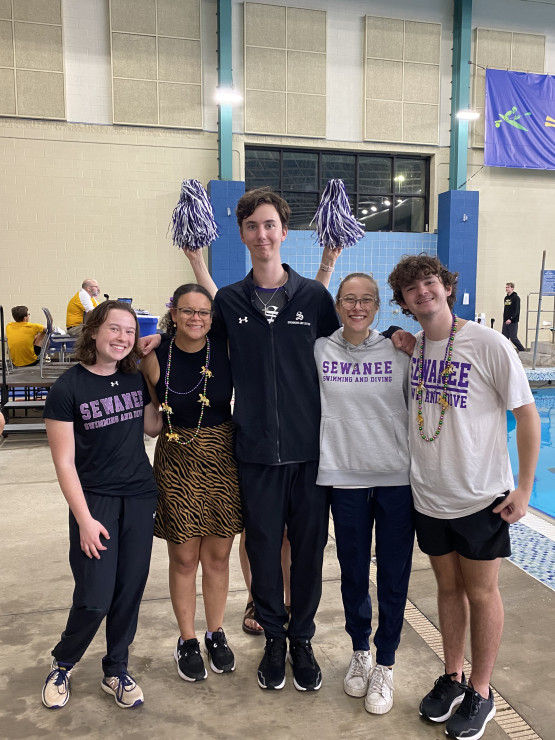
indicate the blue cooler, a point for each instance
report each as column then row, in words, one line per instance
column 147, row 325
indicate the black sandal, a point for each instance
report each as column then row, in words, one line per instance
column 249, row 615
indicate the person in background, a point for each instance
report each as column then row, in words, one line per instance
column 364, row 458
column 199, row 510
column 24, row 339
column 463, row 379
column 2, row 422
column 511, row 316
column 84, row 300
column 96, row 414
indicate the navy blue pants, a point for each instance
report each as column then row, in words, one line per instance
column 354, row 513
column 113, row 586
column 274, row 496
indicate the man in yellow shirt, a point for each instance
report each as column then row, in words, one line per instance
column 82, row 301
column 24, row 339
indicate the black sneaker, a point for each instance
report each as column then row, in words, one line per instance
column 470, row 720
column 222, row 659
column 190, row 665
column 306, row 671
column 271, row 671
column 443, row 698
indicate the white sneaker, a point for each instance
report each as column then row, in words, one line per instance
column 379, row 698
column 355, row 682
column 56, row 691
column 124, row 690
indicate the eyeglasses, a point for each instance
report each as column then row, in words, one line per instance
column 351, row 302
column 188, row 313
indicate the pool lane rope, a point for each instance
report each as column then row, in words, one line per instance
column 193, row 226
column 335, row 225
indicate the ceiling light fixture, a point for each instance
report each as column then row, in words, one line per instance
column 468, row 115
column 227, row 96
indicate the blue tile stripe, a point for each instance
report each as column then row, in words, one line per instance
column 534, row 553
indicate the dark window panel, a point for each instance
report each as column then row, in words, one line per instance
column 296, row 174
column 374, row 212
column 409, row 214
column 374, row 175
column 339, row 167
column 303, row 207
column 410, row 176
column 262, row 168
column 300, row 171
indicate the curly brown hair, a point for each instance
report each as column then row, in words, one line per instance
column 167, row 324
column 85, row 347
column 413, row 267
column 250, row 201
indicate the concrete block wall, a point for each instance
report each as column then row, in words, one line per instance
column 93, row 201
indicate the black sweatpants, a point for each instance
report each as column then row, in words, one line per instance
column 510, row 331
column 274, row 496
column 113, row 586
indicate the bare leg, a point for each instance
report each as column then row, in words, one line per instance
column 246, row 568
column 184, row 560
column 214, row 559
column 453, row 610
column 39, row 339
column 486, row 618
column 286, row 568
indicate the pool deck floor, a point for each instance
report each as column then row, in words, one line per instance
column 36, row 586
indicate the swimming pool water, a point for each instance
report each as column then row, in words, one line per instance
column 543, row 493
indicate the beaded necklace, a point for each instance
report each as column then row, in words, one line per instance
column 202, row 399
column 445, row 373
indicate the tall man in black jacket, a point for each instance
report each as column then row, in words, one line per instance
column 511, row 315
column 272, row 319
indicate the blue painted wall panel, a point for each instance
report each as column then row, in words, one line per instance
column 457, row 245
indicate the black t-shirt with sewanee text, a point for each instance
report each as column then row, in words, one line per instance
column 107, row 412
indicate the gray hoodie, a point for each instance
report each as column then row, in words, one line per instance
column 364, row 426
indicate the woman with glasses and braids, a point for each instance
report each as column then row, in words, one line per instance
column 199, row 511
column 364, row 458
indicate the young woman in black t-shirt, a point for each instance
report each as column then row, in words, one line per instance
column 96, row 414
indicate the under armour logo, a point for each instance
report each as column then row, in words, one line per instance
column 113, row 383
column 299, row 316
column 244, row 319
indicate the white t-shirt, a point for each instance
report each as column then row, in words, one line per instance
column 467, row 466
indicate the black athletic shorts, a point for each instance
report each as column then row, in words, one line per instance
column 480, row 536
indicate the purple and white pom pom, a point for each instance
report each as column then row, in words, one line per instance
column 336, row 226
column 192, row 223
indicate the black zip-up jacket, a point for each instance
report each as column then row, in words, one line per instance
column 512, row 308
column 277, row 399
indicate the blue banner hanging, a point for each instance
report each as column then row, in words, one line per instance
column 520, row 120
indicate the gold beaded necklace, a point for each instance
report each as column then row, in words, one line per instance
column 445, row 373
column 203, row 398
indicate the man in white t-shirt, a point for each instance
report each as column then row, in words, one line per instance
column 464, row 377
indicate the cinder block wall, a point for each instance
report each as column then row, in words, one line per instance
column 80, row 201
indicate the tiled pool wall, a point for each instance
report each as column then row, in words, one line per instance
column 376, row 253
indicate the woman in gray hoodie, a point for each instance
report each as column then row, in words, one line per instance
column 364, row 458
